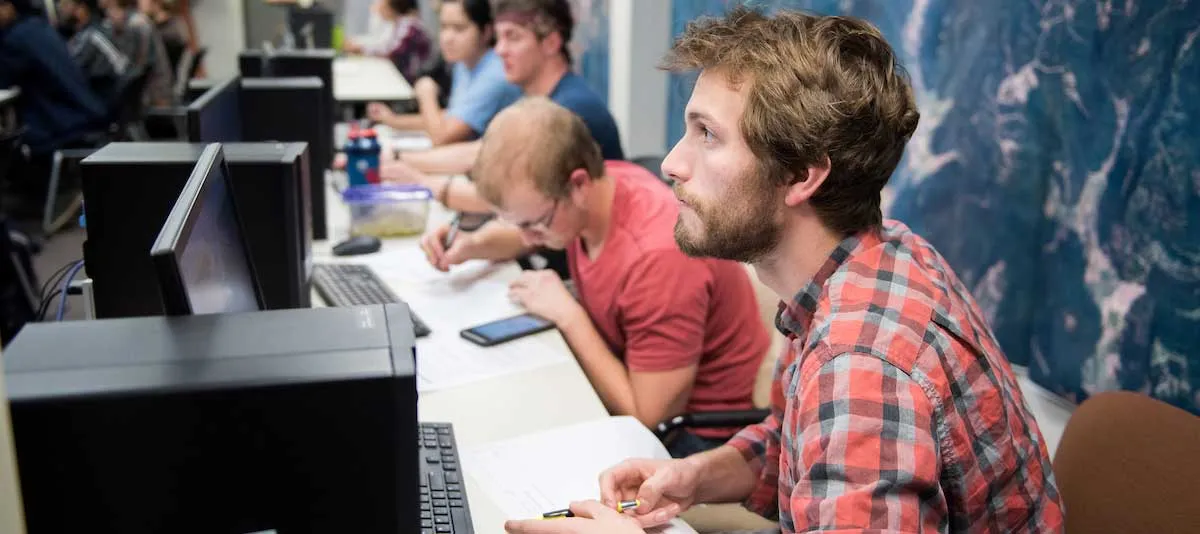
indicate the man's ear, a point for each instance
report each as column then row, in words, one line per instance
column 552, row 43
column 804, row 187
column 579, row 181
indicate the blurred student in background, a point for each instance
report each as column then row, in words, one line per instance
column 408, row 45
column 92, row 47
column 56, row 106
column 136, row 36
column 478, row 89
column 172, row 28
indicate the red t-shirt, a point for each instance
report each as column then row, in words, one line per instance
column 659, row 309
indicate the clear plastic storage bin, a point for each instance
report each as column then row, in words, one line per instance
column 387, row 210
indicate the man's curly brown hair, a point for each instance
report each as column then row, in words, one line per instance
column 818, row 86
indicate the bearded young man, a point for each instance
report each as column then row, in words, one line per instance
column 896, row 410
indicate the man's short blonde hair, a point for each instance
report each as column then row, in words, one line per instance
column 818, row 86
column 534, row 140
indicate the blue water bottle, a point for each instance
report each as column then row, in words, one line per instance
column 371, row 150
column 356, row 162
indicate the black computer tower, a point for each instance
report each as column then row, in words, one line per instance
column 294, row 421
column 297, row 63
column 129, row 188
column 281, row 253
column 287, row 109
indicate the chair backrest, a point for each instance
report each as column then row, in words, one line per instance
column 1130, row 463
column 189, row 65
column 768, row 306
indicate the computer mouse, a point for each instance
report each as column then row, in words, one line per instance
column 359, row 244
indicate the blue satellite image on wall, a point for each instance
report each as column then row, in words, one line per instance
column 1057, row 167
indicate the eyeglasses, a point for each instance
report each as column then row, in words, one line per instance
column 540, row 223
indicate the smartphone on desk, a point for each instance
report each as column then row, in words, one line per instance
column 505, row 330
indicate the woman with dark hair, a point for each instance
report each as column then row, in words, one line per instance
column 407, row 45
column 478, row 88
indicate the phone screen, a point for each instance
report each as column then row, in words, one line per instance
column 510, row 327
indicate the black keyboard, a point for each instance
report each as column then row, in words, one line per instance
column 352, row 284
column 443, row 491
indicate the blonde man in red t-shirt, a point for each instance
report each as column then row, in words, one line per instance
column 658, row 333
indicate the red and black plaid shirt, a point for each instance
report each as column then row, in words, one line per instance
column 895, row 409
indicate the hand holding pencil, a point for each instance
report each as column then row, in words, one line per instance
column 584, row 517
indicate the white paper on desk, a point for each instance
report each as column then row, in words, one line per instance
column 445, row 360
column 529, row 475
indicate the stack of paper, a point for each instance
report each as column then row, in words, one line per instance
column 536, row 473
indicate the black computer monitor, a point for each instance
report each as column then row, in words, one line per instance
column 216, row 115
column 200, row 255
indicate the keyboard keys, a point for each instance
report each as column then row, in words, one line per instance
column 341, row 284
column 443, row 498
column 462, row 521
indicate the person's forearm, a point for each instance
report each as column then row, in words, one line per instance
column 497, row 241
column 724, row 476
column 407, row 121
column 457, row 194
column 607, row 374
column 432, row 115
column 449, row 159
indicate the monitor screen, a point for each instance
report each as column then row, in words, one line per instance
column 216, row 115
column 201, row 255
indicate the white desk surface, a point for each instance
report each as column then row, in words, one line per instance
column 489, row 410
column 368, row 79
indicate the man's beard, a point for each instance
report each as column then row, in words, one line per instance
column 743, row 226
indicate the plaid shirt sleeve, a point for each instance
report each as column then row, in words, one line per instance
column 867, row 455
column 759, row 446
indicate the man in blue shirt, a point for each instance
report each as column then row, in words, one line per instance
column 56, row 106
column 532, row 38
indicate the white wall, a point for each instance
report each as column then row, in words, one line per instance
column 639, row 34
column 221, row 27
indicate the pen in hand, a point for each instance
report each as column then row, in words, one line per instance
column 621, row 507
column 453, row 232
